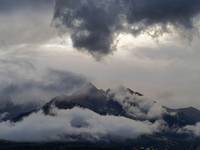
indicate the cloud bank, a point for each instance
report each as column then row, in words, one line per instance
column 38, row 86
column 75, row 125
column 94, row 25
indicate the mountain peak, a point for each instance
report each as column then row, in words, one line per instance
column 134, row 93
column 87, row 88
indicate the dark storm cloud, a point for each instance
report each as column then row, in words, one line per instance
column 94, row 24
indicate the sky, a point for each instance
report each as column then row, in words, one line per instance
column 152, row 48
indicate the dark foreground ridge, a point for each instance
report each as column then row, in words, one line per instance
column 143, row 143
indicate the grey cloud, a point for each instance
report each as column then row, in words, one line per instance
column 38, row 88
column 12, row 5
column 19, row 95
column 93, row 24
column 67, row 126
column 25, row 22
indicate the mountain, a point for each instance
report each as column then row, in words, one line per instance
column 87, row 97
column 182, row 116
column 14, row 112
column 105, row 103
column 121, row 103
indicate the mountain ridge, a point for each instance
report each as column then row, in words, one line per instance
column 122, row 103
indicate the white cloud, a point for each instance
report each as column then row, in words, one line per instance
column 193, row 129
column 75, row 124
column 138, row 106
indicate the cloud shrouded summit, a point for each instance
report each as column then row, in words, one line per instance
column 93, row 24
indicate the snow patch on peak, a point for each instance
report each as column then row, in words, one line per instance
column 136, row 104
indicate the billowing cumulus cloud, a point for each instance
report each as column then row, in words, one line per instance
column 136, row 105
column 94, row 25
column 75, row 124
column 192, row 129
